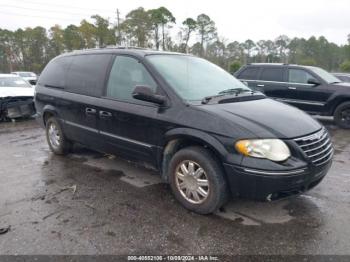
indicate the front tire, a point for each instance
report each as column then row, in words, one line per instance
column 342, row 115
column 197, row 180
column 58, row 143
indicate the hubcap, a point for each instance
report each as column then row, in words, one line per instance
column 192, row 182
column 54, row 136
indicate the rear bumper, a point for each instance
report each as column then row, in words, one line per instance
column 265, row 185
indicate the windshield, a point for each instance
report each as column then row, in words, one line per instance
column 329, row 78
column 13, row 82
column 194, row 78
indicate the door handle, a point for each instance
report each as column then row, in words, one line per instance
column 260, row 85
column 90, row 111
column 105, row 114
column 292, row 87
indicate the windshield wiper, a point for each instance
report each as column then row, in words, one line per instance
column 235, row 91
column 231, row 91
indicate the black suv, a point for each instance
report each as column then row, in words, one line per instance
column 309, row 88
column 208, row 134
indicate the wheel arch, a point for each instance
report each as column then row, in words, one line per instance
column 179, row 138
column 337, row 102
column 48, row 111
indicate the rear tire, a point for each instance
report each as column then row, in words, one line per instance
column 203, row 188
column 56, row 139
column 342, row 115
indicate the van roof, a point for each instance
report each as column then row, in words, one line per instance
column 122, row 50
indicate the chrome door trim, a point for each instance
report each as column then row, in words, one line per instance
column 108, row 134
column 81, row 126
column 125, row 139
column 299, row 101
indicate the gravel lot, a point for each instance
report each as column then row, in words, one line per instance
column 90, row 203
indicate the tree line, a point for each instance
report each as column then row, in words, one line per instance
column 31, row 49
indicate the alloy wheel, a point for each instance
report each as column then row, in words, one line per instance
column 54, row 136
column 192, row 182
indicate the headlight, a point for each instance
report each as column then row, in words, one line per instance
column 272, row 149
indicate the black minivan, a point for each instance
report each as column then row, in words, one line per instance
column 209, row 135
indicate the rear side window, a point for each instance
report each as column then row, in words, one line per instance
column 250, row 73
column 86, row 74
column 272, row 74
column 298, row 76
column 54, row 74
column 126, row 74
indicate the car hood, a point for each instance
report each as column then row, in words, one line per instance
column 16, row 91
column 266, row 118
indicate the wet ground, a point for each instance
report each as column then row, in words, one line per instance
column 90, row 203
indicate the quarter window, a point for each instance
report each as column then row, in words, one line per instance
column 298, row 76
column 272, row 74
column 126, row 74
column 54, row 74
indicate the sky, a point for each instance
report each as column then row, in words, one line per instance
column 235, row 20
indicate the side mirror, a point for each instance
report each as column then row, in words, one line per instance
column 313, row 81
column 145, row 93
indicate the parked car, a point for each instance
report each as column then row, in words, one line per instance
column 29, row 76
column 209, row 135
column 309, row 88
column 343, row 77
column 16, row 97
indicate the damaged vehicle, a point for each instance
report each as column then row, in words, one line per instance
column 16, row 97
column 209, row 136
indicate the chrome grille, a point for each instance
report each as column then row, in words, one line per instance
column 317, row 147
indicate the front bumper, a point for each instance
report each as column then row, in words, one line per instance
column 268, row 185
column 17, row 107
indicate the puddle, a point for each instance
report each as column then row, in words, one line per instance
column 137, row 176
column 252, row 213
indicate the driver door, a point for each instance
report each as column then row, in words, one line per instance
column 308, row 97
column 128, row 126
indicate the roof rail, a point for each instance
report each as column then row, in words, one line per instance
column 115, row 47
column 126, row 47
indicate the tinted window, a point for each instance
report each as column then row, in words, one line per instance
column 250, row 73
column 54, row 73
column 272, row 74
column 126, row 74
column 298, row 76
column 86, row 74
